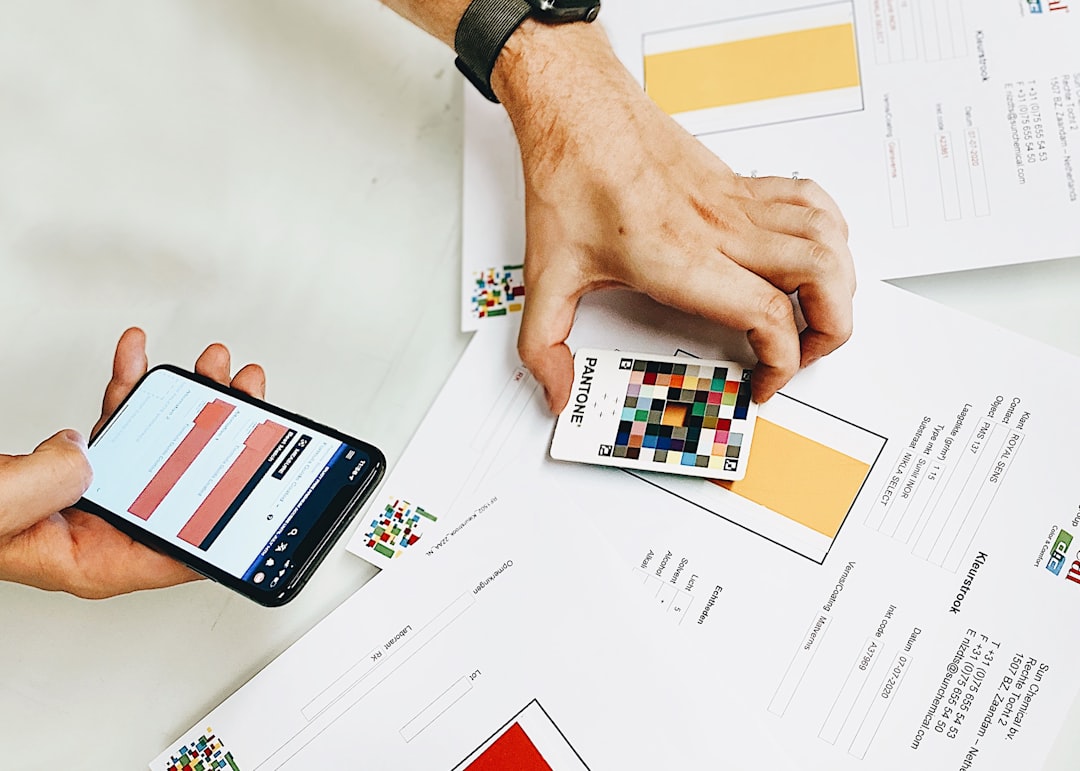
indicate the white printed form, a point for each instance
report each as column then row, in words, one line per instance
column 495, row 412
column 505, row 652
column 931, row 630
column 945, row 480
column 887, row 588
column 932, row 124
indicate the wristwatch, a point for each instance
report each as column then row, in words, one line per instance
column 486, row 25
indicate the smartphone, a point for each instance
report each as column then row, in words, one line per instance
column 245, row 493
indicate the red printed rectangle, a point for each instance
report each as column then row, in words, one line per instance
column 514, row 749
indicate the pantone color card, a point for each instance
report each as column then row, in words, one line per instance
column 658, row 413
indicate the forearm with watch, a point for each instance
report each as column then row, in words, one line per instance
column 504, row 46
column 618, row 194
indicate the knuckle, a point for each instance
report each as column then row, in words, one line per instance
column 810, row 188
column 776, row 310
column 814, row 195
column 780, row 370
column 848, row 275
column 842, row 224
column 835, row 330
column 785, row 372
column 75, row 467
column 81, row 583
column 85, row 589
column 68, row 472
column 525, row 348
column 78, row 588
column 529, row 353
column 842, row 330
column 820, row 259
column 818, row 223
column 8, row 474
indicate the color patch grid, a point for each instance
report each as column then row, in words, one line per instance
column 498, row 291
column 682, row 414
column 207, row 753
column 397, row 528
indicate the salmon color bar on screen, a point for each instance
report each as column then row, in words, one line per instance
column 514, row 749
column 207, row 423
column 257, row 448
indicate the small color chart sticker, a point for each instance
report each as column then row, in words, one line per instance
column 657, row 413
column 397, row 528
column 498, row 291
column 207, row 753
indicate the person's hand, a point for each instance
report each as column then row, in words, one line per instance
column 617, row 194
column 46, row 544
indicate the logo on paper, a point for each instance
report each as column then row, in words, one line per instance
column 207, row 752
column 1059, row 553
column 1040, row 7
column 397, row 528
column 1074, row 572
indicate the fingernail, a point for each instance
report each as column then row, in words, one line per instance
column 74, row 436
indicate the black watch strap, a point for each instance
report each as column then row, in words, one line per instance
column 481, row 34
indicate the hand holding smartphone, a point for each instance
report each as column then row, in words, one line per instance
column 245, row 493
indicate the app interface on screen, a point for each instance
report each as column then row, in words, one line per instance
column 220, row 478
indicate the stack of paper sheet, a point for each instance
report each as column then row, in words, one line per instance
column 883, row 594
column 878, row 590
column 882, row 590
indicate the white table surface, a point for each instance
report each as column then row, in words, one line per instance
column 284, row 177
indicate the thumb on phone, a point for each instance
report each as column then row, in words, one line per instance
column 38, row 485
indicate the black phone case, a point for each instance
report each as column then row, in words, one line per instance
column 316, row 545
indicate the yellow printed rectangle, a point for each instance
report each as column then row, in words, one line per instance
column 755, row 69
column 800, row 479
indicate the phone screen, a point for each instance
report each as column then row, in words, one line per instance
column 227, row 481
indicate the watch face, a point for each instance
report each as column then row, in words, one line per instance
column 566, row 10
